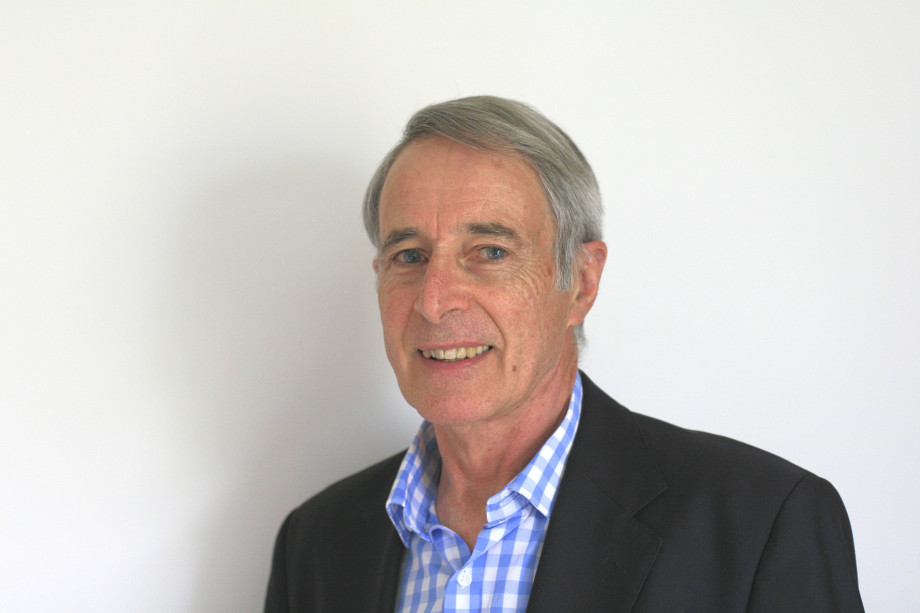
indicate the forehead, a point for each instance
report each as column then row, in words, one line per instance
column 438, row 180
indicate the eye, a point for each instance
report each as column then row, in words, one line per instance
column 408, row 256
column 493, row 253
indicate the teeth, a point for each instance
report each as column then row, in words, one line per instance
column 457, row 353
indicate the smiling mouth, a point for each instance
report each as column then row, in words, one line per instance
column 456, row 354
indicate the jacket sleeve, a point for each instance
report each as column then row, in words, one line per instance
column 809, row 561
column 276, row 599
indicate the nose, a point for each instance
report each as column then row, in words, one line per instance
column 443, row 290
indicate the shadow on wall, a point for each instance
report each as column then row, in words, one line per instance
column 276, row 350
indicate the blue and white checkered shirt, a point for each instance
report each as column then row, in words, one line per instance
column 439, row 572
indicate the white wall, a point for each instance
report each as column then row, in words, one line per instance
column 189, row 343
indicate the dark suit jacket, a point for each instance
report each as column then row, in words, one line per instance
column 649, row 517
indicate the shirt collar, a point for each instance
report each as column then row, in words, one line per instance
column 410, row 504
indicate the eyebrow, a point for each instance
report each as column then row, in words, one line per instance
column 492, row 229
column 481, row 229
column 397, row 236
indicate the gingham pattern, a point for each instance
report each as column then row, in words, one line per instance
column 439, row 572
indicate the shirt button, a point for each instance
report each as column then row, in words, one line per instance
column 465, row 577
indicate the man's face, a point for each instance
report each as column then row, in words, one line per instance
column 473, row 325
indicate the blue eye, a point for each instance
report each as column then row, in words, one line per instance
column 493, row 253
column 409, row 256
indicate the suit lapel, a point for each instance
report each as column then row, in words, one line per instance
column 596, row 553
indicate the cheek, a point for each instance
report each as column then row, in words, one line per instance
column 391, row 293
column 546, row 314
column 397, row 306
column 523, row 310
column 390, row 311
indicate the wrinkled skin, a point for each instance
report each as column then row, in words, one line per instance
column 467, row 260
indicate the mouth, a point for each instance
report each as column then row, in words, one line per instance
column 455, row 354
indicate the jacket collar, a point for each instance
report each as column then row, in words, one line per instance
column 596, row 552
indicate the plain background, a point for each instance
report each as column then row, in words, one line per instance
column 189, row 339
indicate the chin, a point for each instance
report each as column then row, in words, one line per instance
column 448, row 411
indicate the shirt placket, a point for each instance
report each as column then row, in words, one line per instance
column 467, row 589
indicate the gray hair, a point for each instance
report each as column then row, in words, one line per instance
column 507, row 127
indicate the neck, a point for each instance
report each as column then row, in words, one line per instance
column 478, row 460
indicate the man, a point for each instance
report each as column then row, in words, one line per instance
column 528, row 488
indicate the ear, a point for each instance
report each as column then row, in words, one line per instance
column 589, row 264
column 376, row 265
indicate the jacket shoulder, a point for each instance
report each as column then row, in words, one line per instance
column 338, row 550
column 740, row 528
column 712, row 457
column 691, row 457
column 350, row 498
column 775, row 535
